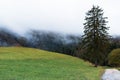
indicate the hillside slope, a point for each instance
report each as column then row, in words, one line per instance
column 18, row 63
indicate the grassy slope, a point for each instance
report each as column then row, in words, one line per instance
column 17, row 63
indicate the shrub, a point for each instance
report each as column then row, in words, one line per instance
column 114, row 58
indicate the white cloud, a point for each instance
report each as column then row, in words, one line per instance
column 56, row 15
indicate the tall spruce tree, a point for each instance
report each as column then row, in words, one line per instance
column 95, row 38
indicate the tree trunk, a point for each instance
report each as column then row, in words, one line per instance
column 96, row 64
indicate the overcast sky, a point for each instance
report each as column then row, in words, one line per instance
column 55, row 15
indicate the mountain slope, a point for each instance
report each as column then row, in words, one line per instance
column 18, row 63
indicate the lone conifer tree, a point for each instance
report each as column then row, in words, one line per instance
column 95, row 38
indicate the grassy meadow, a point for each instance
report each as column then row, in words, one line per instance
column 18, row 63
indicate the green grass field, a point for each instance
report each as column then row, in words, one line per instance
column 17, row 63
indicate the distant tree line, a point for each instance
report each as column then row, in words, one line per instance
column 50, row 41
column 7, row 38
column 53, row 41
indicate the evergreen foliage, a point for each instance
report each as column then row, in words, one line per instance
column 95, row 39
